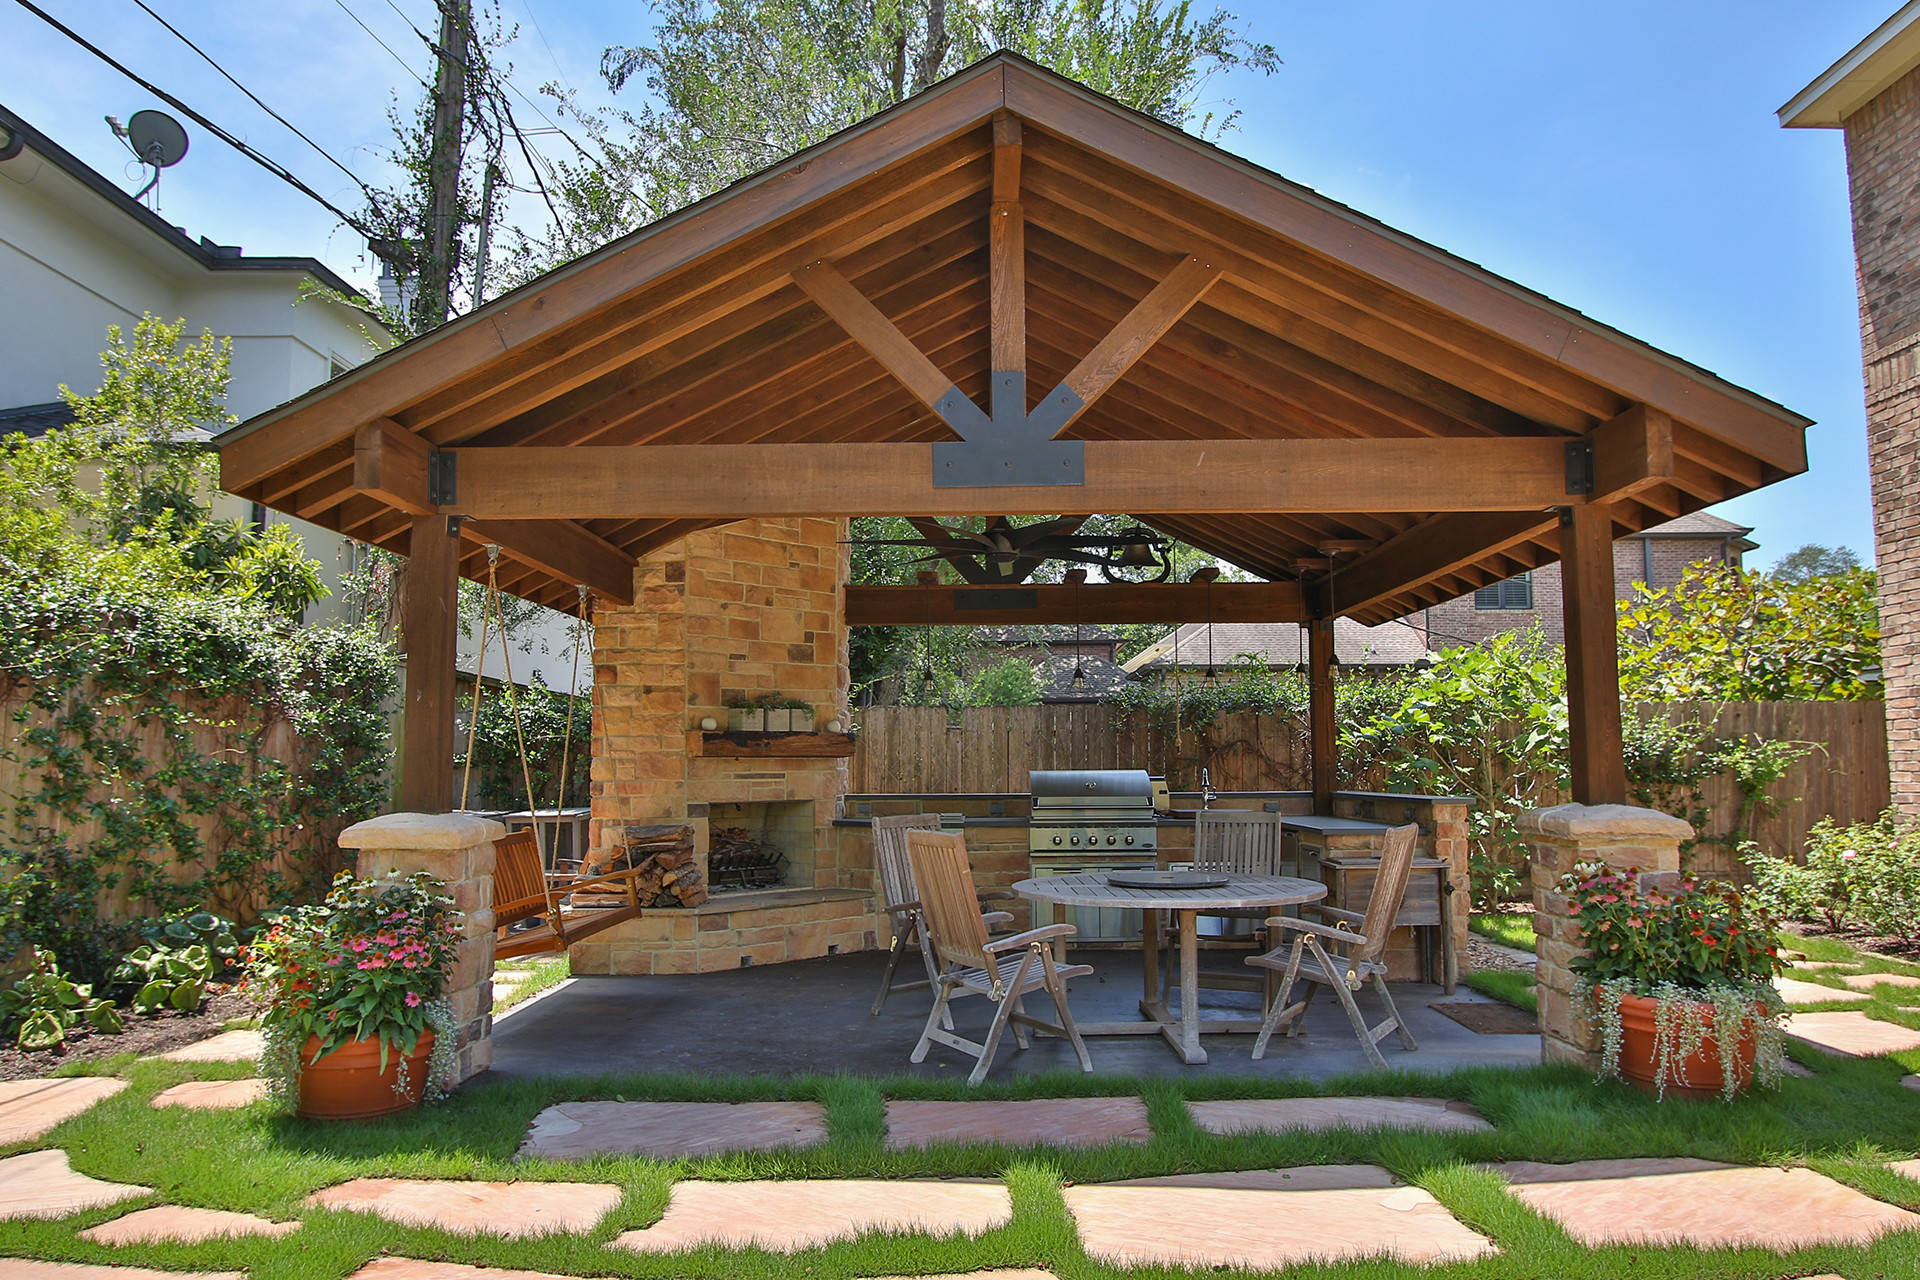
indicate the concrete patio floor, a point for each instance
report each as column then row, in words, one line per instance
column 812, row 1016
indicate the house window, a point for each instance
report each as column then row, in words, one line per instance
column 1515, row 593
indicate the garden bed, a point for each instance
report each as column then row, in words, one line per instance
column 143, row 1035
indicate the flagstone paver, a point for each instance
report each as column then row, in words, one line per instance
column 1868, row 981
column 1055, row 1122
column 1850, row 1034
column 667, row 1130
column 785, row 1216
column 1268, row 1219
column 34, row 1269
column 29, row 1108
column 1278, row 1115
column 1699, row 1202
column 228, row 1046
column 1909, row 1167
column 414, row 1269
column 1910, row 1082
column 212, row 1095
column 41, row 1184
column 1018, row 1273
column 475, row 1208
column 1794, row 991
column 1817, row 966
column 183, row 1225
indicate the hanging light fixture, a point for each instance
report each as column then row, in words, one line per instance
column 1077, row 577
column 926, row 579
column 1207, row 574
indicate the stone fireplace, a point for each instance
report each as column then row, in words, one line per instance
column 753, row 608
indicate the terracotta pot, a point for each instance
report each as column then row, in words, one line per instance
column 1703, row 1074
column 348, row 1083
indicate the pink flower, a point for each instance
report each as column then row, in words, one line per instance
column 358, row 944
column 413, row 1000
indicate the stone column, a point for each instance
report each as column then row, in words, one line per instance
column 459, row 850
column 1624, row 838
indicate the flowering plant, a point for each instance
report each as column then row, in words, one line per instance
column 1691, row 936
column 368, row 962
column 1702, row 952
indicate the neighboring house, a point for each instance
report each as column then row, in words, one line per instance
column 1873, row 95
column 1658, row 557
column 78, row 254
column 1202, row 648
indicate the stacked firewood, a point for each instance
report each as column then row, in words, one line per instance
column 668, row 877
column 737, row 857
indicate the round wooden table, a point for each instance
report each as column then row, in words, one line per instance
column 1183, row 1032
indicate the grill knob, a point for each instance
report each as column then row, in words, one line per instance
column 1129, row 839
column 1056, row 839
column 1113, row 840
column 1073, row 839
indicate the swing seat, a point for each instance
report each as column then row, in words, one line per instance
column 524, row 890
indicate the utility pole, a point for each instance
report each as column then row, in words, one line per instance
column 443, row 161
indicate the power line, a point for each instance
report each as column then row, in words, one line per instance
column 383, row 44
column 205, row 56
column 272, row 166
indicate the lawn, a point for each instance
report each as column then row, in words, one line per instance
column 1846, row 1120
column 1508, row 928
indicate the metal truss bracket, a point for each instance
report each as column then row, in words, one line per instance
column 1012, row 448
column 1580, row 479
column 443, row 481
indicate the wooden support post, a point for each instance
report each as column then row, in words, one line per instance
column 432, row 627
column 1325, row 741
column 1593, row 673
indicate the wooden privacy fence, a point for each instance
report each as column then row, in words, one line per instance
column 1843, row 775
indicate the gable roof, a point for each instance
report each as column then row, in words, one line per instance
column 1282, row 644
column 1890, row 51
column 1324, row 324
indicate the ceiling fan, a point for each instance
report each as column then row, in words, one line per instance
column 1006, row 554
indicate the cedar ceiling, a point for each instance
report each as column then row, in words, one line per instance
column 1323, row 324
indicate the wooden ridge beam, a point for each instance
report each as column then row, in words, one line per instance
column 1232, row 476
column 1158, row 602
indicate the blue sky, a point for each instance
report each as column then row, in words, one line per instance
column 1622, row 158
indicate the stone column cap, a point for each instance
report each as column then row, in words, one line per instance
column 421, row 831
column 1581, row 821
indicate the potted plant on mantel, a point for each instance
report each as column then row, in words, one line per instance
column 1682, row 983
column 349, row 991
column 745, row 715
column 799, row 715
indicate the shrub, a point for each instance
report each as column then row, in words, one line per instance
column 165, row 978
column 45, row 1005
column 1866, row 875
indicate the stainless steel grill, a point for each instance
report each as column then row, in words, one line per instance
column 1079, row 811
column 1092, row 820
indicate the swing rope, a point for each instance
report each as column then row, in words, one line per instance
column 479, row 686
column 573, row 700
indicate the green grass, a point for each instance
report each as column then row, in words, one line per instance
column 543, row 975
column 1511, row 985
column 1508, row 928
column 1847, row 1121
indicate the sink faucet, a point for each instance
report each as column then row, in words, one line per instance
column 1207, row 794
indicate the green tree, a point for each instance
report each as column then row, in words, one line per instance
column 1012, row 683
column 1805, row 563
column 1733, row 635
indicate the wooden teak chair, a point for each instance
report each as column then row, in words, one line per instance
column 523, row 890
column 968, row 963
column 1357, row 943
column 893, row 876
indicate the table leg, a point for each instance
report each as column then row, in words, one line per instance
column 1188, row 1045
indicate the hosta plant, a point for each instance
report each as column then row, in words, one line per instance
column 1704, row 953
column 166, row 978
column 45, row 1006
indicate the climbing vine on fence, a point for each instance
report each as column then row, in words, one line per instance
column 143, row 718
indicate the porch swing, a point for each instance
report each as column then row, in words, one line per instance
column 523, row 887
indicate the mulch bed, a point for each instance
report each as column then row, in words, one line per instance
column 1482, row 954
column 1858, row 939
column 1489, row 1019
column 143, row 1035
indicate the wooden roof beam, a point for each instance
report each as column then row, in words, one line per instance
column 1309, row 476
column 1034, row 605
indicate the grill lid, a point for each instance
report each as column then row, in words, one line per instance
column 1090, row 789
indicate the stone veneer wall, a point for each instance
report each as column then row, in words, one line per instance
column 749, row 608
column 1883, row 168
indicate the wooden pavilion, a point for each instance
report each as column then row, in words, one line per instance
column 1009, row 294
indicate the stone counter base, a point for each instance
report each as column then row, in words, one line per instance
column 731, row 931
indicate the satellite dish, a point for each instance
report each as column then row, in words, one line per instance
column 156, row 138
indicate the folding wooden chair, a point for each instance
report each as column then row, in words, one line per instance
column 893, row 875
column 1357, row 943
column 968, row 963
